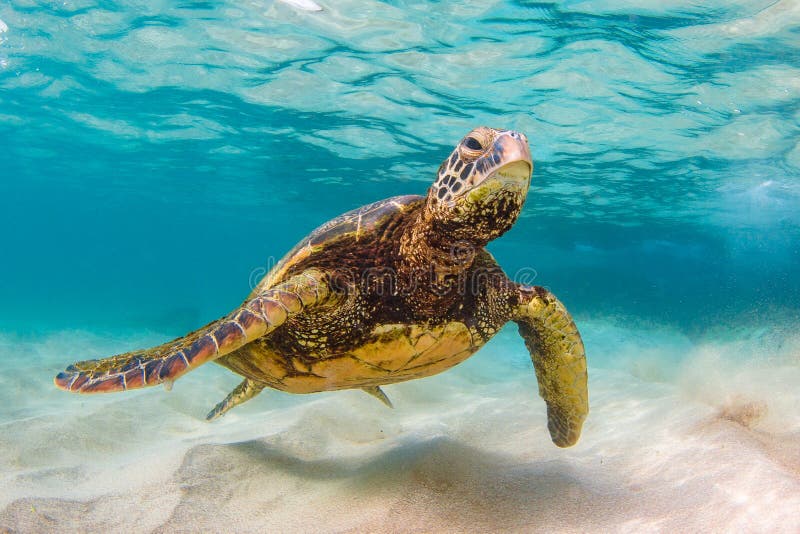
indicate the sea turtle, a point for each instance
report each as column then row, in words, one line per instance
column 393, row 291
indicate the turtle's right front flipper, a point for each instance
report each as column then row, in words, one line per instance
column 258, row 316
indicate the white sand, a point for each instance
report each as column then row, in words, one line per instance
column 682, row 444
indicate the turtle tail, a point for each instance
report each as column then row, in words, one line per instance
column 163, row 364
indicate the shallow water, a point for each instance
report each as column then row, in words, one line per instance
column 158, row 156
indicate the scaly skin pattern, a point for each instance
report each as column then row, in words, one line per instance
column 559, row 358
column 372, row 338
column 397, row 290
column 258, row 316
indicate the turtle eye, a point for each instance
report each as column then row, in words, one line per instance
column 472, row 143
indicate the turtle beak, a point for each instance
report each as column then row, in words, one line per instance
column 511, row 159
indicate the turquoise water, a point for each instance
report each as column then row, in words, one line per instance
column 157, row 156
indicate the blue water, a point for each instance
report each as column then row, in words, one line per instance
column 156, row 156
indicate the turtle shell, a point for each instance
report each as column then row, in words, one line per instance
column 358, row 223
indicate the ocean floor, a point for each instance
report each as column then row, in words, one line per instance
column 709, row 442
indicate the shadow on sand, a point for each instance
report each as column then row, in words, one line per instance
column 433, row 485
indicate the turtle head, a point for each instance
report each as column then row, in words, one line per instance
column 481, row 187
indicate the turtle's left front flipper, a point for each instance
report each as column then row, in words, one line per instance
column 261, row 314
column 558, row 356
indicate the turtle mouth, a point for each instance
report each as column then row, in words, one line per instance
column 511, row 178
column 514, row 175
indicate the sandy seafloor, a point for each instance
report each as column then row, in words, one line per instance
column 706, row 444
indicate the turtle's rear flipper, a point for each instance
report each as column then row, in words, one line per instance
column 243, row 392
column 378, row 393
column 259, row 315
